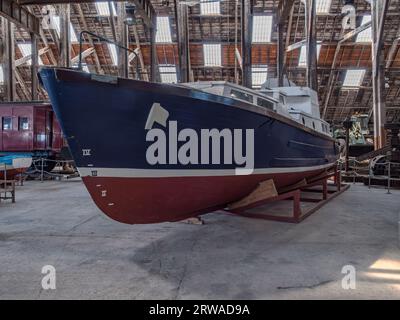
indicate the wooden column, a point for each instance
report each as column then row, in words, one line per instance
column 65, row 36
column 378, row 14
column 8, row 59
column 34, row 67
column 311, row 40
column 247, row 20
column 183, row 41
column 123, row 40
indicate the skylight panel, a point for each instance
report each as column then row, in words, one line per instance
column 258, row 75
column 353, row 78
column 168, row 74
column 323, row 6
column 71, row 29
column 262, row 28
column 163, row 34
column 1, row 75
column 303, row 56
column 113, row 53
column 212, row 55
column 103, row 9
column 210, row 7
column 26, row 50
column 365, row 36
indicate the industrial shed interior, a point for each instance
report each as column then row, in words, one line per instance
column 318, row 82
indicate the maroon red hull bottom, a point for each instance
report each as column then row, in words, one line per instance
column 152, row 200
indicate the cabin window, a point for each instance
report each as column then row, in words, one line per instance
column 304, row 121
column 265, row 103
column 7, row 123
column 241, row 95
column 313, row 124
column 23, row 123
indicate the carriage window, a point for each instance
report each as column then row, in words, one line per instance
column 241, row 95
column 265, row 103
column 7, row 123
column 23, row 123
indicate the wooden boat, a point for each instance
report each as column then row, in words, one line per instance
column 152, row 152
column 13, row 164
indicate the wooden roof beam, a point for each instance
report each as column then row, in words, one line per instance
column 25, row 59
column 332, row 75
column 84, row 54
column 19, row 15
column 85, row 27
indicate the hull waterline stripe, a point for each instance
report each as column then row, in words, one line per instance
column 164, row 173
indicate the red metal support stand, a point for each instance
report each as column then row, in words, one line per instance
column 326, row 194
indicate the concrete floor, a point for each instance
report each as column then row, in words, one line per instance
column 229, row 257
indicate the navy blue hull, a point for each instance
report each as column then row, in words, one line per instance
column 109, row 120
column 104, row 123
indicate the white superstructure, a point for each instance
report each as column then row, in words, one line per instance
column 297, row 103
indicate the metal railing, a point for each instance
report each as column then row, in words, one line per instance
column 357, row 169
column 39, row 165
column 388, row 168
column 361, row 169
column 137, row 75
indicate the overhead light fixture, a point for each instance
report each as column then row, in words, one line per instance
column 130, row 18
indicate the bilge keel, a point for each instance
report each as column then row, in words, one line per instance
column 151, row 152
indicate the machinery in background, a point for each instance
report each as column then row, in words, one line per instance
column 31, row 128
column 378, row 167
column 380, row 164
column 359, row 137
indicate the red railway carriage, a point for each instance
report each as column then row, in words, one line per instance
column 30, row 127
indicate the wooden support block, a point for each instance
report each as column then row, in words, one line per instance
column 264, row 190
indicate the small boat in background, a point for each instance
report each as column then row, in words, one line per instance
column 13, row 164
column 154, row 152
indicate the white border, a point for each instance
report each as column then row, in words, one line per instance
column 164, row 173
